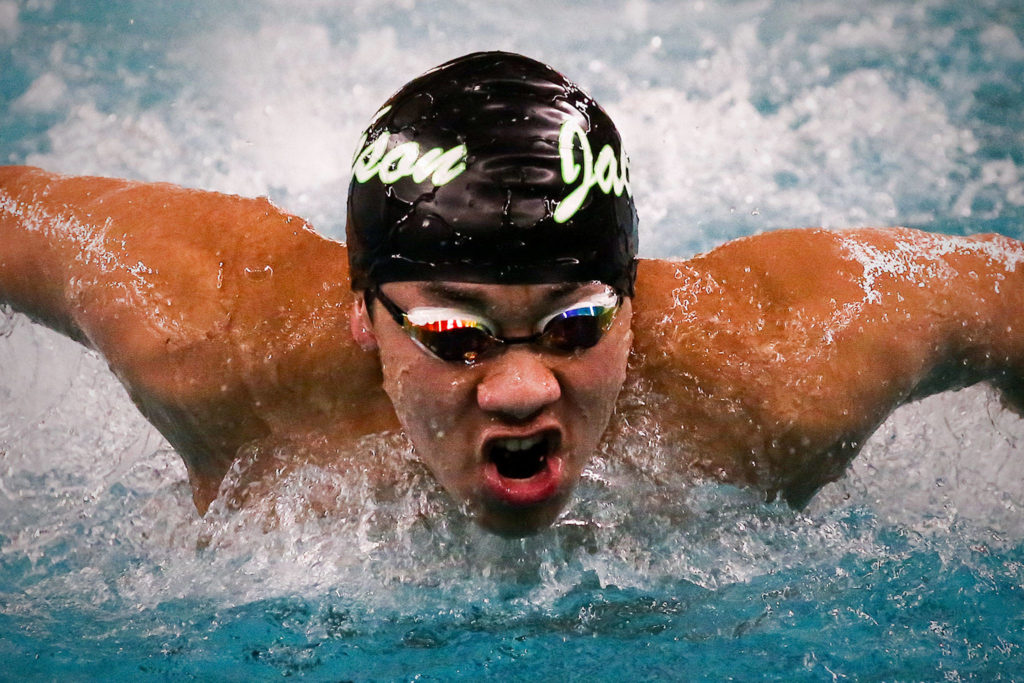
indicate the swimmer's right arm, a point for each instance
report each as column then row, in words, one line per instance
column 122, row 265
column 226, row 318
column 32, row 275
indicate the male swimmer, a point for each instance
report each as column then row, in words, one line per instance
column 499, row 307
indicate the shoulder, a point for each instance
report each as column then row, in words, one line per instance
column 765, row 273
column 785, row 265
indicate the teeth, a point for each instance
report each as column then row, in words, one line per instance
column 514, row 445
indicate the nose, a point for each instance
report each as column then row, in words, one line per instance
column 519, row 385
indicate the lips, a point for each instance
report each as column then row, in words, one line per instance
column 521, row 471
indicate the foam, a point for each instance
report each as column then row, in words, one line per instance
column 953, row 457
column 857, row 151
column 47, row 93
column 1003, row 177
column 1003, row 42
column 9, row 27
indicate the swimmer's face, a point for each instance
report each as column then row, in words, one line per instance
column 510, row 433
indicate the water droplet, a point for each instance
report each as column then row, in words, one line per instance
column 259, row 272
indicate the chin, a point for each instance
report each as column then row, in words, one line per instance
column 518, row 522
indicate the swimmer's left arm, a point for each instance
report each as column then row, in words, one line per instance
column 971, row 291
column 782, row 352
column 973, row 288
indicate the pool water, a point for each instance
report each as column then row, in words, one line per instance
column 739, row 117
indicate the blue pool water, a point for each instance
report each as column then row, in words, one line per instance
column 739, row 117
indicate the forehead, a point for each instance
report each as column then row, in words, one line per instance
column 493, row 295
column 459, row 291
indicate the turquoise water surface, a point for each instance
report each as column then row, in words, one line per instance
column 739, row 117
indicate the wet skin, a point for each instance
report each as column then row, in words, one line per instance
column 767, row 361
column 457, row 414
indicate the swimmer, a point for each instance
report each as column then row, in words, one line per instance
column 489, row 302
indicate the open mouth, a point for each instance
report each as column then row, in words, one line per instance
column 521, row 471
column 522, row 458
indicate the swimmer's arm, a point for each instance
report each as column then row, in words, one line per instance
column 781, row 353
column 34, row 249
column 961, row 301
column 151, row 276
column 225, row 318
column 118, row 264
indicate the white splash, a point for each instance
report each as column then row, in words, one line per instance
column 92, row 250
column 46, row 94
column 919, row 257
column 8, row 22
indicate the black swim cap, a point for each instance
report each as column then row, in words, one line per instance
column 491, row 168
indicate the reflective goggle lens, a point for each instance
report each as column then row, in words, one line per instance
column 451, row 339
column 577, row 328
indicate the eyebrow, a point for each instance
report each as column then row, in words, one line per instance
column 453, row 294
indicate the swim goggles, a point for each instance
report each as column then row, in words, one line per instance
column 453, row 335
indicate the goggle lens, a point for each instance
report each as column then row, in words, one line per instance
column 454, row 340
column 578, row 328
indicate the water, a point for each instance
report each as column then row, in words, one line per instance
column 739, row 117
